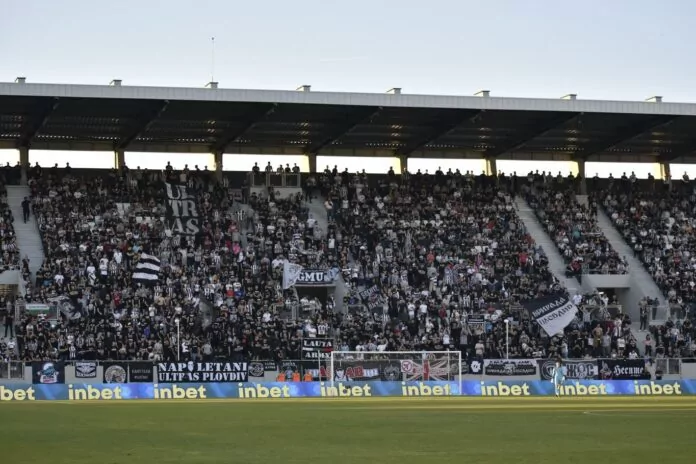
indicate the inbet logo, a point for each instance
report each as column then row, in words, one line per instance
column 19, row 394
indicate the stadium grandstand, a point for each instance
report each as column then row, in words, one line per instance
column 164, row 231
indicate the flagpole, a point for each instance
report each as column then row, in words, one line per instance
column 507, row 338
column 178, row 340
column 212, row 60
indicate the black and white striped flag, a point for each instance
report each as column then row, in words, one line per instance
column 147, row 269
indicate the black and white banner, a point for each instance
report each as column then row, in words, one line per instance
column 182, row 210
column 147, row 269
column 115, row 372
column 202, row 372
column 141, row 372
column 553, row 313
column 372, row 298
column 509, row 367
column 575, row 369
column 476, row 323
column 622, row 369
column 259, row 368
column 86, row 370
column 317, row 277
column 317, row 348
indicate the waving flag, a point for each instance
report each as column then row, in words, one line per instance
column 147, row 269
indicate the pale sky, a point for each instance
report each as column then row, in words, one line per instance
column 618, row 49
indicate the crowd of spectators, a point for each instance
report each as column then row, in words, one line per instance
column 658, row 226
column 452, row 262
column 9, row 253
column 574, row 228
column 220, row 284
column 447, row 253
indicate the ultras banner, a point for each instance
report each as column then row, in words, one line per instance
column 317, row 348
column 575, row 369
column 553, row 313
column 202, row 372
column 202, row 391
column 509, row 367
column 622, row 369
column 182, row 210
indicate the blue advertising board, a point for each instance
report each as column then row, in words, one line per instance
column 251, row 390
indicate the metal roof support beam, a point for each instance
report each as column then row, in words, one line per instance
column 626, row 135
column 143, row 123
column 359, row 116
column 519, row 142
column 683, row 150
column 254, row 117
column 35, row 125
column 440, row 131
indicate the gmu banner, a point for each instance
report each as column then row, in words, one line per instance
column 575, row 369
column 509, row 367
column 202, row 372
column 317, row 348
column 622, row 369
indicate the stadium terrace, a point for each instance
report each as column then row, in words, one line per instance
column 396, row 280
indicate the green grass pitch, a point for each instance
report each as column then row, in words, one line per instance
column 377, row 430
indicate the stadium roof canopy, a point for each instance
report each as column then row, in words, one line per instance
column 208, row 120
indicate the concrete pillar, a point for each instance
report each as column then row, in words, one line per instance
column 119, row 159
column 217, row 163
column 312, row 160
column 583, row 178
column 24, row 161
column 403, row 161
column 491, row 167
column 665, row 171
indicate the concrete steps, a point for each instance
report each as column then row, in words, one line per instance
column 642, row 283
column 28, row 236
column 535, row 229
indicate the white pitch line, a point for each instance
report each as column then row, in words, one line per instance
column 633, row 412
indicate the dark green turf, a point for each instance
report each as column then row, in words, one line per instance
column 337, row 432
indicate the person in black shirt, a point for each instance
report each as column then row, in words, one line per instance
column 25, row 209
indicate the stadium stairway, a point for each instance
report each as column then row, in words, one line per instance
column 28, row 237
column 556, row 263
column 641, row 282
column 318, row 212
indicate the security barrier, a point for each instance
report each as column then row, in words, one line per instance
column 280, row 390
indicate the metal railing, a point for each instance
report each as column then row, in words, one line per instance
column 12, row 370
column 274, row 179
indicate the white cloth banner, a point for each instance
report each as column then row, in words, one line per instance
column 291, row 274
column 553, row 313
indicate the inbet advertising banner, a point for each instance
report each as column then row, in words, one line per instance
column 279, row 390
